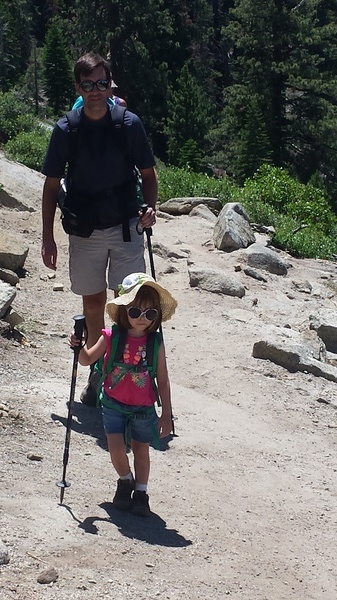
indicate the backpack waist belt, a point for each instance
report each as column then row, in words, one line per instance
column 145, row 413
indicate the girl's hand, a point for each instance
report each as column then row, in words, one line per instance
column 164, row 425
column 73, row 341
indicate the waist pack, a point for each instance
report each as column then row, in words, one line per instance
column 81, row 213
column 75, row 220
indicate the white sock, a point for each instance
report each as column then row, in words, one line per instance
column 141, row 487
column 129, row 476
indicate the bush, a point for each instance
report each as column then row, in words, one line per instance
column 179, row 183
column 29, row 148
column 274, row 186
column 15, row 116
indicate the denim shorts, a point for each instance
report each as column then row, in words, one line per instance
column 104, row 259
column 133, row 423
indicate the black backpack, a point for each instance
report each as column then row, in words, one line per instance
column 81, row 222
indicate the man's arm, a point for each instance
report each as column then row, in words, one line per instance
column 150, row 195
column 49, row 202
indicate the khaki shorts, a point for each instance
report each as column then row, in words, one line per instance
column 104, row 259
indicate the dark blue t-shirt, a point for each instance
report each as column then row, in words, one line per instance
column 101, row 162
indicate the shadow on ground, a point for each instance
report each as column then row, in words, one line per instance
column 152, row 530
column 86, row 420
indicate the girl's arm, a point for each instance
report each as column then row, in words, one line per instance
column 164, row 389
column 88, row 356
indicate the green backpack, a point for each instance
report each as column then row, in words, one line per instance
column 115, row 358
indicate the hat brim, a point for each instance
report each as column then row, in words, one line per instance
column 167, row 303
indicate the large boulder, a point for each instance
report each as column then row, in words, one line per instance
column 13, row 251
column 264, row 258
column 324, row 322
column 183, row 206
column 215, row 282
column 232, row 229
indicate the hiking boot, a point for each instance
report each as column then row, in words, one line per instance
column 140, row 504
column 89, row 393
column 122, row 497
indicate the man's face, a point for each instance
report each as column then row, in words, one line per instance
column 95, row 100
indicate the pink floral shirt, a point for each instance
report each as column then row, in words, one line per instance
column 133, row 388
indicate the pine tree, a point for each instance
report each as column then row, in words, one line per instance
column 58, row 80
column 15, row 21
column 189, row 114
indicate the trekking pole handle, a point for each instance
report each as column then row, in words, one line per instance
column 79, row 327
column 140, row 230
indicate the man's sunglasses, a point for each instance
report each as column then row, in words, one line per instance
column 88, row 85
column 135, row 313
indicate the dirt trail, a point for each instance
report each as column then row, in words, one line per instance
column 244, row 498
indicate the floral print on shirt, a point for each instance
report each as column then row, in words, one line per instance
column 138, row 378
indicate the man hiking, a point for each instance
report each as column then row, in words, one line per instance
column 101, row 211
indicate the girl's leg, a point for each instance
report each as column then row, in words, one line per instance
column 140, row 500
column 141, row 455
column 118, row 455
column 119, row 459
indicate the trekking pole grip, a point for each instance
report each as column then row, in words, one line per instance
column 79, row 328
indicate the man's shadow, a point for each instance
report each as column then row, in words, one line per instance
column 151, row 530
column 88, row 421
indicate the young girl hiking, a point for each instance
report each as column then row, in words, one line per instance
column 128, row 393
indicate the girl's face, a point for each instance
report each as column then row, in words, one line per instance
column 141, row 316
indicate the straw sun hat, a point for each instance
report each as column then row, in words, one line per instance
column 128, row 291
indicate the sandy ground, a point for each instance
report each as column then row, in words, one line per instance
column 244, row 497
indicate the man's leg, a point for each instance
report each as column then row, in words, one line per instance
column 93, row 309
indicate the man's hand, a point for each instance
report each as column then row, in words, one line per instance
column 147, row 219
column 49, row 254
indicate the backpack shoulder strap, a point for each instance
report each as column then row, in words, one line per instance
column 74, row 118
column 154, row 340
column 117, row 113
column 117, row 347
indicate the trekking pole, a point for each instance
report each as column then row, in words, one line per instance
column 78, row 329
column 148, row 231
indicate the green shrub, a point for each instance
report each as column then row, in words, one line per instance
column 179, row 183
column 15, row 116
column 308, row 242
column 29, row 148
column 274, row 186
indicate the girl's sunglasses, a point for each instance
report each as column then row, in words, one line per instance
column 88, row 85
column 135, row 313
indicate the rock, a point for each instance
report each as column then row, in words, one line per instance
column 13, row 251
column 34, row 456
column 204, row 212
column 165, row 252
column 22, row 192
column 4, row 556
column 58, row 287
column 304, row 287
column 12, row 317
column 7, row 295
column 49, row 575
column 287, row 348
column 266, row 259
column 215, row 282
column 232, row 230
column 252, row 273
column 9, row 276
column 324, row 322
column 183, row 206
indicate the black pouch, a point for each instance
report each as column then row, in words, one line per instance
column 76, row 219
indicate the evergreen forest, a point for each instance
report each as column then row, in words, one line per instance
column 225, row 87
